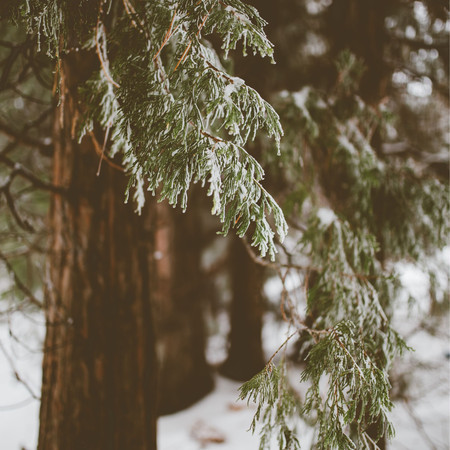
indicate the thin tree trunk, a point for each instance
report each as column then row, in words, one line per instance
column 185, row 376
column 99, row 374
column 245, row 355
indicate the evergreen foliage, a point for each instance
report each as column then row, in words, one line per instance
column 373, row 193
column 193, row 119
column 276, row 405
column 356, row 206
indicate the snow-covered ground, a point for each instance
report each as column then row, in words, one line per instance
column 219, row 421
column 20, row 353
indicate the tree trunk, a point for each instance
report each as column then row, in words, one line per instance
column 359, row 27
column 185, row 377
column 99, row 374
column 245, row 355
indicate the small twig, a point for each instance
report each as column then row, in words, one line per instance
column 98, row 150
column 5, row 188
column 20, row 284
column 20, row 170
column 216, row 69
column 102, row 156
column 186, row 51
column 30, row 97
column 183, row 55
column 349, row 354
column 129, row 8
column 17, row 405
column 167, row 36
column 16, row 373
column 21, row 138
column 284, row 295
column 281, row 346
column 375, row 445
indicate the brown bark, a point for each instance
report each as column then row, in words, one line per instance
column 185, row 376
column 99, row 374
column 245, row 355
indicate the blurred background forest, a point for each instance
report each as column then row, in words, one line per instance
column 362, row 91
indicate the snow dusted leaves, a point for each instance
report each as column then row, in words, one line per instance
column 193, row 119
column 178, row 117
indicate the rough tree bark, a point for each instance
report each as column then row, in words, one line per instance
column 185, row 376
column 99, row 373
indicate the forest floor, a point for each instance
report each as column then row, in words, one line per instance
column 422, row 388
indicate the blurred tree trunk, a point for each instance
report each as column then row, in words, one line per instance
column 245, row 355
column 359, row 27
column 99, row 368
column 185, row 376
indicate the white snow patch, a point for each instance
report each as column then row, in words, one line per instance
column 232, row 87
column 399, row 77
column 420, row 88
column 221, row 411
column 300, row 99
column 326, row 216
column 238, row 15
column 19, row 412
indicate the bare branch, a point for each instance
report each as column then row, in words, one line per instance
column 20, row 284
column 20, row 170
column 16, row 373
column 23, row 223
column 21, row 138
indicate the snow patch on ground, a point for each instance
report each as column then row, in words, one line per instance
column 19, row 412
column 221, row 422
column 218, row 411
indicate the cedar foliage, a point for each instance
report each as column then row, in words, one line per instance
column 176, row 117
column 353, row 209
column 192, row 119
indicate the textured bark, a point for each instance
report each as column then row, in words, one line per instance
column 245, row 355
column 185, row 377
column 99, row 374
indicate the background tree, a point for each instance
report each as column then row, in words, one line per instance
column 179, row 302
column 341, row 180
